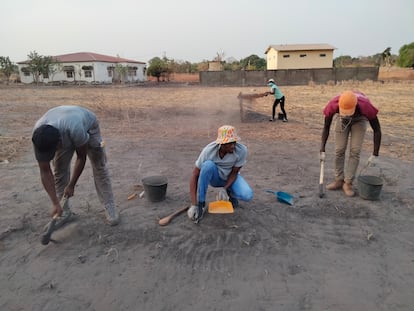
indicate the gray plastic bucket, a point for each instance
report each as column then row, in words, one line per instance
column 369, row 187
column 155, row 188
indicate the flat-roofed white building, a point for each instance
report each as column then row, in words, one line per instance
column 299, row 56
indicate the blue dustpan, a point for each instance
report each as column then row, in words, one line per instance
column 283, row 197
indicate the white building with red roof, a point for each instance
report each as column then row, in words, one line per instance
column 85, row 67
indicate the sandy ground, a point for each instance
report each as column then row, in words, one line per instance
column 334, row 253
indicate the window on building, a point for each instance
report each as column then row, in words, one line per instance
column 302, row 55
column 46, row 75
column 69, row 74
column 132, row 71
column 26, row 71
column 88, row 74
column 322, row 55
column 110, row 70
column 286, row 56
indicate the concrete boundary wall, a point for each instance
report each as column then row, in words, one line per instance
column 287, row 77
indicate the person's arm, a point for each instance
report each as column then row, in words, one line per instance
column 81, row 153
column 325, row 132
column 232, row 177
column 48, row 182
column 375, row 125
column 193, row 185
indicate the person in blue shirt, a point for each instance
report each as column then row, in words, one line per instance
column 219, row 165
column 279, row 98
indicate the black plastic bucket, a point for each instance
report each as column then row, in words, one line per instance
column 369, row 187
column 155, row 188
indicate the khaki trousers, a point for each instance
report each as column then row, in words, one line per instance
column 97, row 157
column 354, row 131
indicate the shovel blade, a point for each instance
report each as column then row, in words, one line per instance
column 220, row 207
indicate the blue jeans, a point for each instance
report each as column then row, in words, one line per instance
column 209, row 175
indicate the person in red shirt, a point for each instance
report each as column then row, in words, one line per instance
column 355, row 112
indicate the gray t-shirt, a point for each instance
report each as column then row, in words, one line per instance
column 73, row 123
column 225, row 165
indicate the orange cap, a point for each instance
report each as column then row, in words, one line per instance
column 347, row 103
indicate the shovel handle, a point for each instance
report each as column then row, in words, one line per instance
column 166, row 220
column 321, row 187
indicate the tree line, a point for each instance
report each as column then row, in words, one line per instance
column 163, row 67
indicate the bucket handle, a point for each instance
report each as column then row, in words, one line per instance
column 366, row 166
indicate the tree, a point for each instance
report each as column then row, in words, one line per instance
column 121, row 72
column 376, row 59
column 220, row 56
column 386, row 57
column 35, row 65
column 253, row 62
column 40, row 65
column 159, row 67
column 54, row 68
column 183, row 67
column 50, row 66
column 343, row 61
column 406, row 56
column 7, row 68
column 168, row 69
column 202, row 66
column 232, row 65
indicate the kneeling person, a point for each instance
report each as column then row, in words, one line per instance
column 218, row 165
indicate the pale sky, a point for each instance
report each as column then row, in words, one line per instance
column 196, row 30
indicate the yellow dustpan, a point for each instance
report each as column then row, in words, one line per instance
column 220, row 207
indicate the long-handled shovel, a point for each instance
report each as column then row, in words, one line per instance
column 321, row 186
